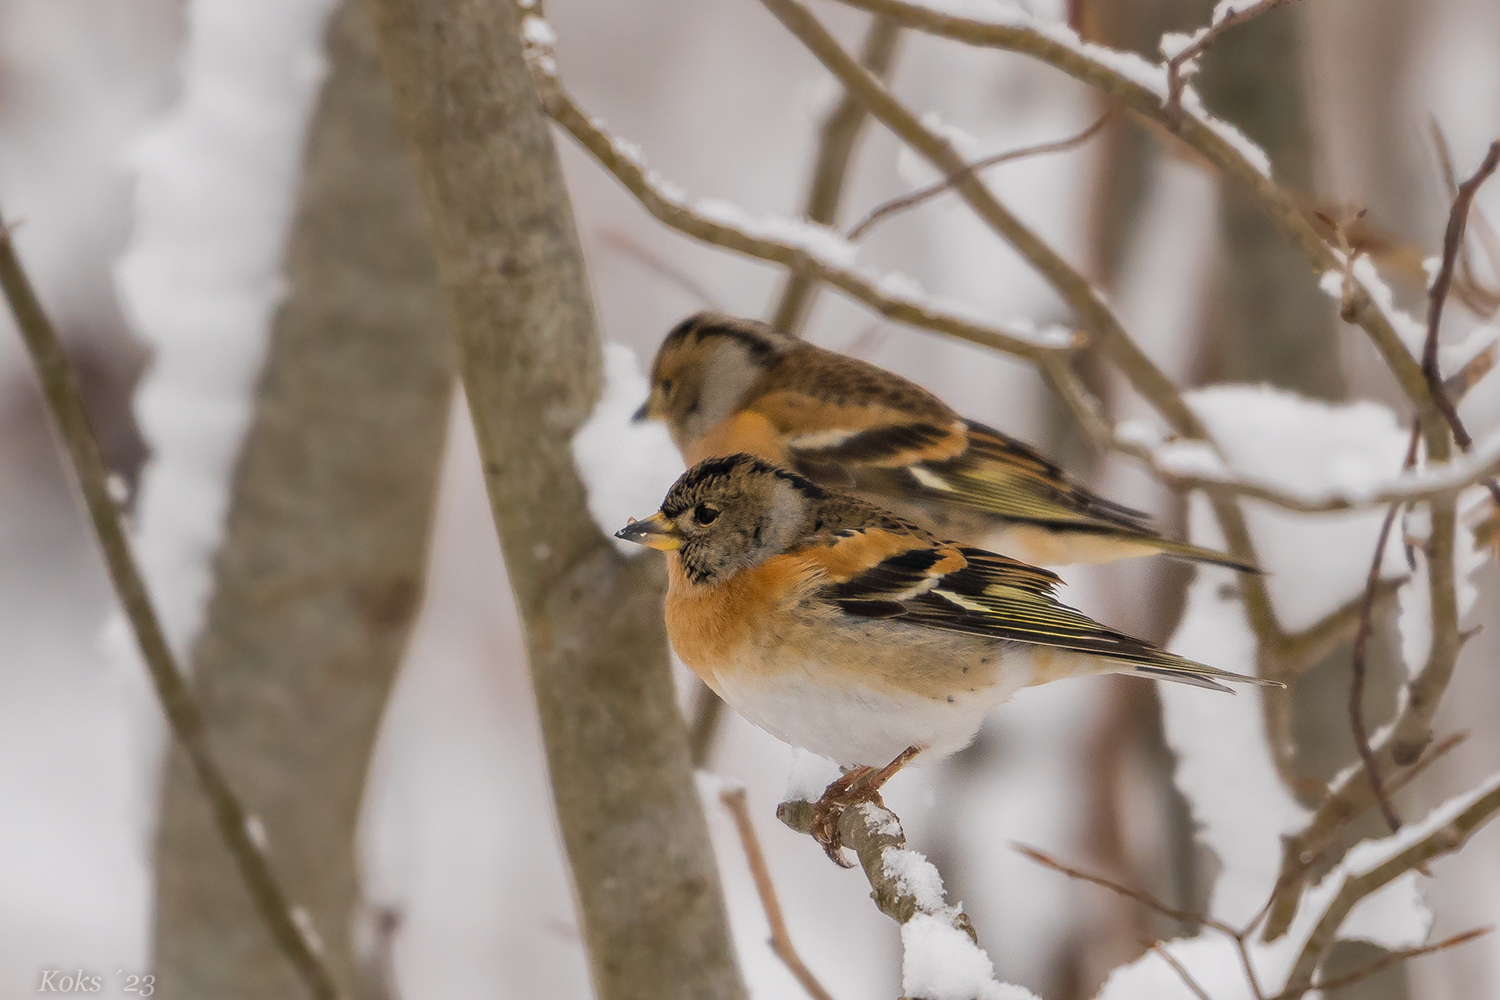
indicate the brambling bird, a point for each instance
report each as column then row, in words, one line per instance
column 726, row 385
column 843, row 629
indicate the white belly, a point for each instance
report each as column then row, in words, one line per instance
column 852, row 723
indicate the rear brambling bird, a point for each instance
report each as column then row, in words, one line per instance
column 725, row 385
column 843, row 629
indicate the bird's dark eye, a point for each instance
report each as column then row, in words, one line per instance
column 704, row 514
column 666, row 387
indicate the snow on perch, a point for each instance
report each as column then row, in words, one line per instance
column 627, row 467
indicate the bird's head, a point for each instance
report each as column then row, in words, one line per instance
column 728, row 514
column 704, row 371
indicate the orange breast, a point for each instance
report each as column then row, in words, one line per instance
column 713, row 627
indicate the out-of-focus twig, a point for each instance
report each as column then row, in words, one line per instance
column 661, row 267
column 735, row 801
column 1445, row 840
column 1239, row 936
column 1404, row 741
column 1470, row 290
column 909, row 201
column 1182, row 973
column 1219, row 147
column 1184, row 64
column 1357, row 658
column 837, row 139
column 1396, row 958
column 183, row 713
column 1437, row 297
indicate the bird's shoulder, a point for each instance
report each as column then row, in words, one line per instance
column 831, row 409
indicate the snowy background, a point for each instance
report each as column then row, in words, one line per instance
column 150, row 150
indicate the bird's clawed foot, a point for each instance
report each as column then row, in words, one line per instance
column 854, row 787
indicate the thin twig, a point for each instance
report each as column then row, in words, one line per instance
column 838, row 137
column 1481, row 300
column 1357, row 659
column 661, row 267
column 1182, row 66
column 1145, row 898
column 915, row 198
column 1141, row 896
column 1396, row 958
column 1453, row 240
column 1460, row 382
column 735, row 801
column 1182, row 972
column 178, row 704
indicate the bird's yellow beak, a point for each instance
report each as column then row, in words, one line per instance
column 654, row 532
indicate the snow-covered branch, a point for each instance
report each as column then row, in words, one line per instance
column 1378, row 864
column 799, row 246
column 837, row 140
column 1142, row 87
column 941, row 958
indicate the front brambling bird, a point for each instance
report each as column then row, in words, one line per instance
column 727, row 385
column 841, row 628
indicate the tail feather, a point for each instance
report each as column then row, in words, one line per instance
column 1197, row 553
column 1198, row 675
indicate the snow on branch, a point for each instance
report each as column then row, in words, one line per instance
column 1143, row 88
column 1187, row 465
column 1184, row 51
column 802, row 246
column 941, row 958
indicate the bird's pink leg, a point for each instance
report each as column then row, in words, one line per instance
column 860, row 784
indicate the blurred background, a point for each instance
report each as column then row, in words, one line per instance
column 463, row 880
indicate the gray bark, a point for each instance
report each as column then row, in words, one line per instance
column 321, row 569
column 651, row 909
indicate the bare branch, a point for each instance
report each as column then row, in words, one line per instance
column 735, row 801
column 183, row 713
column 838, row 137
column 909, row 201
column 1182, row 66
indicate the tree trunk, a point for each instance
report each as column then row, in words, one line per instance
column 322, row 564
column 652, row 913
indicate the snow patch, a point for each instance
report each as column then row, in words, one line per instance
column 626, row 466
column 939, row 962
